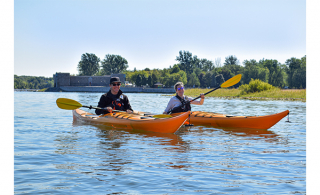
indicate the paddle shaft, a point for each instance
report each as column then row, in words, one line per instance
column 91, row 107
column 206, row 93
column 151, row 115
column 98, row 108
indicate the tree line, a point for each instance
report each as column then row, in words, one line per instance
column 195, row 72
column 189, row 69
column 32, row 82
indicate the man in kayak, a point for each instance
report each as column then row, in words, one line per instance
column 114, row 99
column 180, row 102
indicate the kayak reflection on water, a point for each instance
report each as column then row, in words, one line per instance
column 115, row 134
column 250, row 133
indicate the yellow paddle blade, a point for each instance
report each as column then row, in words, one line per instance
column 68, row 104
column 234, row 80
column 162, row 116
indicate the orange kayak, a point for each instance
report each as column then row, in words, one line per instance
column 221, row 120
column 124, row 120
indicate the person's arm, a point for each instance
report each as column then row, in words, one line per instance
column 102, row 104
column 127, row 105
column 198, row 102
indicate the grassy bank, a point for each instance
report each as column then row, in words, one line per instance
column 275, row 94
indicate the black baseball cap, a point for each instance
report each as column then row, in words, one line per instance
column 115, row 80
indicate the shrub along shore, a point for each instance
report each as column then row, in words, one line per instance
column 273, row 94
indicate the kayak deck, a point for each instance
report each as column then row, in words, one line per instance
column 221, row 120
column 125, row 120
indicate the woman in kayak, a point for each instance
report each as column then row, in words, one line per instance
column 114, row 99
column 180, row 102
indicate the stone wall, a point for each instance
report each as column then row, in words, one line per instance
column 61, row 79
column 86, row 81
column 101, row 89
column 64, row 79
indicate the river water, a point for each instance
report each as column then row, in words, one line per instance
column 53, row 155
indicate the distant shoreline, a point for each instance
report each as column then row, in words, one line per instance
column 276, row 94
column 283, row 94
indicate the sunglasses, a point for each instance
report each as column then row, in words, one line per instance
column 117, row 84
column 179, row 88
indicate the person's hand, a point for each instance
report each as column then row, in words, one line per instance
column 129, row 111
column 109, row 109
column 164, row 112
column 202, row 96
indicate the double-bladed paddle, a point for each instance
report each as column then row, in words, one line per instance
column 69, row 104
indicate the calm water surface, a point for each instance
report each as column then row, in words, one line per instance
column 53, row 155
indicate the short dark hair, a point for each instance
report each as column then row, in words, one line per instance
column 115, row 79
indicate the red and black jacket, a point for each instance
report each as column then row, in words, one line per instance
column 118, row 102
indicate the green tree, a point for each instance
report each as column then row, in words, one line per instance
column 276, row 73
column 296, row 70
column 219, row 79
column 164, row 71
column 197, row 71
column 150, row 82
column 138, row 77
column 166, row 80
column 202, row 80
column 175, row 69
column 193, row 80
column 299, row 78
column 89, row 65
column 253, row 70
column 210, row 79
column 186, row 61
column 227, row 74
column 32, row 82
column 138, row 81
column 113, row 64
column 231, row 68
column 155, row 78
column 170, row 79
column 144, row 80
column 207, row 65
column 183, row 77
column 233, row 60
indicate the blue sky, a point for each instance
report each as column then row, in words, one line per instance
column 50, row 36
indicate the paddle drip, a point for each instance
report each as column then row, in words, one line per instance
column 189, row 125
column 288, row 118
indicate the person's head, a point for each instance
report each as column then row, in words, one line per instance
column 179, row 87
column 115, row 85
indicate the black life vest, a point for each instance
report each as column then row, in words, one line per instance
column 117, row 103
column 184, row 107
